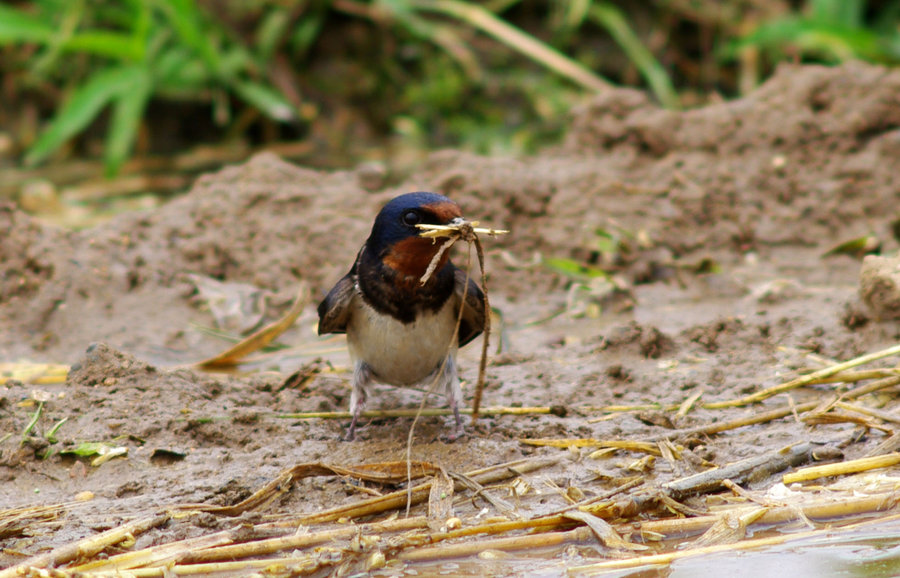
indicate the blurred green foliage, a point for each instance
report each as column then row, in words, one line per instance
column 494, row 76
column 830, row 31
column 139, row 49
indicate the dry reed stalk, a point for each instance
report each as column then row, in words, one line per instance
column 842, row 468
column 427, row 412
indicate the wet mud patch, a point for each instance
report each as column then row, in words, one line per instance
column 714, row 225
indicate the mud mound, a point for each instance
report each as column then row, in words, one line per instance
column 813, row 144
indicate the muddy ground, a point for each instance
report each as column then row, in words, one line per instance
column 721, row 285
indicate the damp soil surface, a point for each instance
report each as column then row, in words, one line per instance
column 715, row 224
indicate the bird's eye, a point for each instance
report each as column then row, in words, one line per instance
column 411, row 218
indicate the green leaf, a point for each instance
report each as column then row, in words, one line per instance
column 85, row 449
column 17, row 26
column 572, row 268
column 266, row 99
column 128, row 110
column 178, row 70
column 81, row 108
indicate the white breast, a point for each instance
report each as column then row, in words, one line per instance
column 397, row 353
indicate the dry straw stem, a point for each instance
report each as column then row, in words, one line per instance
column 33, row 373
column 419, row 493
column 527, row 542
column 383, row 472
column 292, row 566
column 427, row 412
column 296, row 541
column 88, row 547
column 764, row 417
column 842, row 468
column 806, row 379
column 882, row 415
column 628, row 445
column 233, row 355
column 14, row 520
column 666, row 559
column 157, row 555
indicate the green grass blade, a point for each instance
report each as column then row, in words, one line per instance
column 480, row 18
column 186, row 19
column 612, row 19
column 79, row 110
column 834, row 43
column 107, row 44
column 17, row 26
column 271, row 32
column 128, row 110
column 267, row 100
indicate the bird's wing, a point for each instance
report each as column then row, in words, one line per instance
column 334, row 310
column 473, row 308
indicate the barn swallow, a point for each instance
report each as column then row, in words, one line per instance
column 400, row 331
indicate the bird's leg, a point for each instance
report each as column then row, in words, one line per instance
column 450, row 381
column 362, row 377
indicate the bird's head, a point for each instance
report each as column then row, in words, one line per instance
column 396, row 240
